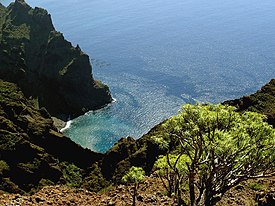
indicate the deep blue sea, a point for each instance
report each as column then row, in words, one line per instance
column 158, row 54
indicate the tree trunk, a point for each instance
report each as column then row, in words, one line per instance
column 179, row 197
column 192, row 187
column 210, row 201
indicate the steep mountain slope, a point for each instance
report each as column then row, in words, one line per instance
column 263, row 101
column 32, row 152
column 44, row 64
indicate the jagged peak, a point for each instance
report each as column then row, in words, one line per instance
column 21, row 12
column 21, row 4
column 46, row 53
column 40, row 11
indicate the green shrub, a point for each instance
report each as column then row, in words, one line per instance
column 222, row 147
column 95, row 181
column 4, row 167
column 256, row 186
column 72, row 175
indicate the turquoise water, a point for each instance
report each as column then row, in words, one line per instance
column 158, row 54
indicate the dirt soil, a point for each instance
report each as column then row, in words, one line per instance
column 151, row 192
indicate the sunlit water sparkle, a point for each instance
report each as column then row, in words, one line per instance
column 157, row 55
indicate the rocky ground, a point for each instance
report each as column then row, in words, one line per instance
column 58, row 123
column 259, row 192
column 151, row 192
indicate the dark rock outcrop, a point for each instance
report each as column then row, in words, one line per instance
column 44, row 65
column 128, row 152
column 32, row 152
column 263, row 101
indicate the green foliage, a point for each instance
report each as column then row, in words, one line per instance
column 121, row 169
column 178, row 162
column 135, row 175
column 4, row 167
column 161, row 142
column 9, row 186
column 99, row 84
column 221, row 148
column 30, row 167
column 18, row 32
column 45, row 182
column 95, row 180
column 72, row 175
column 256, row 186
column 262, row 102
column 64, row 70
column 172, row 169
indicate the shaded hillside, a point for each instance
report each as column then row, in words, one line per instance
column 44, row 64
column 263, row 101
column 128, row 152
column 32, row 152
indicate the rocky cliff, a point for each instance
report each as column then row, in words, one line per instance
column 32, row 152
column 47, row 67
column 263, row 101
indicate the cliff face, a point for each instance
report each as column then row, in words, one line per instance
column 263, row 101
column 44, row 64
column 32, row 152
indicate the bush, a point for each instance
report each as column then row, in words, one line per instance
column 223, row 148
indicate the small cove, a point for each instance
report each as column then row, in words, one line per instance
column 157, row 55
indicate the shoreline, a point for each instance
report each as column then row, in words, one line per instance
column 58, row 123
column 63, row 125
column 67, row 125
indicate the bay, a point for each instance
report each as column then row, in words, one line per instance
column 156, row 55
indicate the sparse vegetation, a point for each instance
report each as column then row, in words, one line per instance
column 171, row 168
column 30, row 147
column 72, row 175
column 135, row 176
column 255, row 186
column 4, row 167
column 262, row 102
column 95, row 181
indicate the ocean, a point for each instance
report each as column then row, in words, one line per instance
column 156, row 55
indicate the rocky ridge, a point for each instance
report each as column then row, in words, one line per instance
column 32, row 152
column 44, row 65
column 263, row 101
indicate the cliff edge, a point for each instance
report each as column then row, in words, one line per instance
column 263, row 101
column 30, row 147
column 48, row 69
